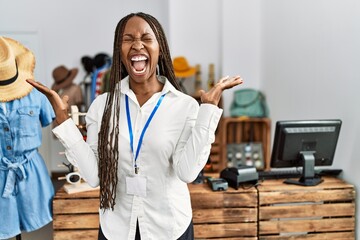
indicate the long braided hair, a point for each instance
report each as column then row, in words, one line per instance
column 108, row 153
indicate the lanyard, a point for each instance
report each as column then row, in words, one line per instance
column 143, row 131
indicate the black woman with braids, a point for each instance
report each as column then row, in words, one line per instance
column 145, row 138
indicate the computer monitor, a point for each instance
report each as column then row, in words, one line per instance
column 306, row 144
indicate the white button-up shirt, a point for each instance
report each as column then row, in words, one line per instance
column 175, row 148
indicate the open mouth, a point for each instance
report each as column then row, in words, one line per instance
column 138, row 64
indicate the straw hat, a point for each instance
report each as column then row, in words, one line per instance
column 17, row 64
column 63, row 77
column 182, row 68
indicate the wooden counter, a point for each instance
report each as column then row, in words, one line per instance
column 273, row 210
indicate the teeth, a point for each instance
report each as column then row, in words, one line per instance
column 138, row 58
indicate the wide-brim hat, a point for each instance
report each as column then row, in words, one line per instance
column 63, row 77
column 17, row 63
column 182, row 68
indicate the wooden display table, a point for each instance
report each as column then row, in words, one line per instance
column 325, row 211
column 272, row 210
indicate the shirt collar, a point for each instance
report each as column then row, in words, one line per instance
column 168, row 87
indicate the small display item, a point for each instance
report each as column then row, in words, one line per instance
column 245, row 154
column 73, row 178
column 217, row 184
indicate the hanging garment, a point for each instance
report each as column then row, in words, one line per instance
column 97, row 79
column 26, row 190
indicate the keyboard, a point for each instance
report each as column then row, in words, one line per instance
column 279, row 174
column 293, row 173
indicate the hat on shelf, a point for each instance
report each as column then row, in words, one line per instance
column 182, row 68
column 88, row 64
column 17, row 64
column 63, row 77
column 101, row 60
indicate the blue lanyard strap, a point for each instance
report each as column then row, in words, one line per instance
column 144, row 129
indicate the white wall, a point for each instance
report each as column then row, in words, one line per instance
column 310, row 68
column 195, row 28
column 241, row 47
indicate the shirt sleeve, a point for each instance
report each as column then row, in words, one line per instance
column 47, row 114
column 82, row 154
column 193, row 148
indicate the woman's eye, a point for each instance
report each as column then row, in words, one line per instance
column 127, row 40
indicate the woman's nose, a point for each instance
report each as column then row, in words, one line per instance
column 137, row 44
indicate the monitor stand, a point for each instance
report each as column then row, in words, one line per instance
column 308, row 177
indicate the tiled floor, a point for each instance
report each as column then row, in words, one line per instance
column 46, row 232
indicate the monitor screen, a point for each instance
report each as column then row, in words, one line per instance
column 305, row 143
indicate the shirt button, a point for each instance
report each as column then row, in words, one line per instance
column 31, row 112
column 6, row 129
column 8, row 147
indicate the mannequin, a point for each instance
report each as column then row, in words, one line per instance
column 26, row 190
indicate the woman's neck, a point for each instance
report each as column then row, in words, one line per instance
column 144, row 90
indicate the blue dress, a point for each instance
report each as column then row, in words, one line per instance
column 26, row 190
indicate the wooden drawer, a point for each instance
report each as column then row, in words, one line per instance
column 325, row 211
column 231, row 214
column 76, row 216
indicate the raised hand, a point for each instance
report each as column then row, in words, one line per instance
column 60, row 105
column 214, row 94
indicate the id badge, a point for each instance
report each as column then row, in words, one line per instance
column 136, row 186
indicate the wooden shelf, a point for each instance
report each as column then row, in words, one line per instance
column 238, row 130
